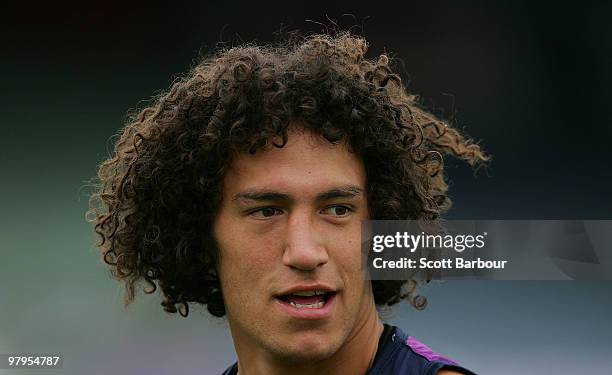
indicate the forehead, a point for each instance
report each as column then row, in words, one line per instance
column 307, row 163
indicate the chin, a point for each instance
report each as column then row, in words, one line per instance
column 307, row 349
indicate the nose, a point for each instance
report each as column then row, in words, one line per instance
column 304, row 249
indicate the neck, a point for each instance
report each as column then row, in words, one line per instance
column 354, row 357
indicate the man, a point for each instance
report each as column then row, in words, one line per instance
column 244, row 188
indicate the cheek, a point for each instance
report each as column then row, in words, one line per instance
column 346, row 247
column 244, row 262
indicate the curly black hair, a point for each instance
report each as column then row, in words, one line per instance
column 156, row 198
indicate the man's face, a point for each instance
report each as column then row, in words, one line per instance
column 288, row 227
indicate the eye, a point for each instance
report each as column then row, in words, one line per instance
column 339, row 210
column 265, row 212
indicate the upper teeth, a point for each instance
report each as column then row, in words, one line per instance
column 310, row 293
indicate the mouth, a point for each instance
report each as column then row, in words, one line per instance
column 307, row 304
column 315, row 299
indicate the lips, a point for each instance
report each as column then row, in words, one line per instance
column 307, row 301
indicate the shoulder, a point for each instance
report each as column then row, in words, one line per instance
column 404, row 354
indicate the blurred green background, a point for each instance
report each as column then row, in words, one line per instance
column 531, row 80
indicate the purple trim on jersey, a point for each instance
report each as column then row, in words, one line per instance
column 422, row 349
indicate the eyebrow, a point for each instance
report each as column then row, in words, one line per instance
column 347, row 191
